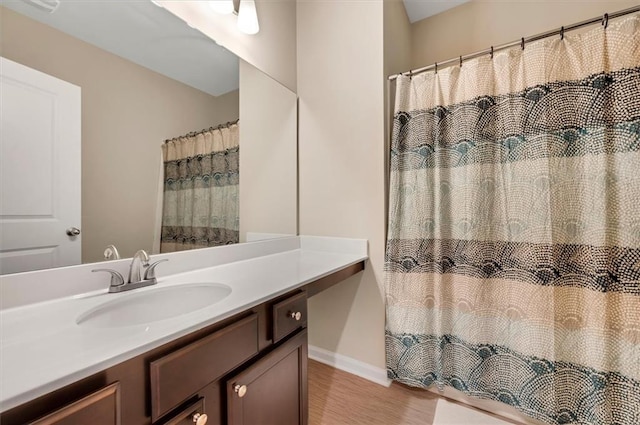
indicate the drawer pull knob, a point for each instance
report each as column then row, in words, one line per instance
column 241, row 390
column 295, row 315
column 199, row 418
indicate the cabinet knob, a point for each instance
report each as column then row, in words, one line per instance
column 199, row 418
column 241, row 390
column 295, row 315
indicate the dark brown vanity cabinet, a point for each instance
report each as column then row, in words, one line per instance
column 248, row 369
column 185, row 381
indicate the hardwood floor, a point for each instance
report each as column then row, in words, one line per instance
column 339, row 398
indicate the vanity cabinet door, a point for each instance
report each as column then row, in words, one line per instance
column 99, row 408
column 272, row 391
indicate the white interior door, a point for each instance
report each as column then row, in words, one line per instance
column 39, row 170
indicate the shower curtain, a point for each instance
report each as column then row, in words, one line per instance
column 513, row 250
column 200, row 203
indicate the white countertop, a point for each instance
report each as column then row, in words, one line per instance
column 43, row 349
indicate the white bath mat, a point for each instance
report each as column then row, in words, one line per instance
column 448, row 413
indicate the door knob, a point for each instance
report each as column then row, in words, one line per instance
column 73, row 231
column 199, row 418
column 241, row 390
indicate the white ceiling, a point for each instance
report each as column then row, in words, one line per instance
column 156, row 39
column 420, row 9
column 147, row 35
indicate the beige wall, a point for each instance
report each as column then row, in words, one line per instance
column 342, row 150
column 341, row 163
column 127, row 111
column 397, row 58
column 272, row 50
column 397, row 38
column 268, row 155
column 480, row 24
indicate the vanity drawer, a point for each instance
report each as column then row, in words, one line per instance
column 289, row 315
column 101, row 408
column 194, row 413
column 177, row 376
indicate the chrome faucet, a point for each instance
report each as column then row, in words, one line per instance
column 140, row 260
column 137, row 279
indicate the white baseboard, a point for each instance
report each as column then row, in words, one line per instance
column 350, row 365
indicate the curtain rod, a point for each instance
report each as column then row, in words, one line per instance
column 196, row 133
column 604, row 21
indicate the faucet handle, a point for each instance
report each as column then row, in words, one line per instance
column 116, row 278
column 150, row 272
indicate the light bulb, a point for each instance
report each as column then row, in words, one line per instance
column 223, row 7
column 248, row 17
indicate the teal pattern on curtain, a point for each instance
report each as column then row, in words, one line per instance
column 200, row 202
column 512, row 266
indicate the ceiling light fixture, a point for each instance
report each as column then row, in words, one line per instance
column 248, row 17
column 247, row 13
column 223, row 7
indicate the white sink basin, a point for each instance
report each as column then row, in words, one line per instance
column 153, row 305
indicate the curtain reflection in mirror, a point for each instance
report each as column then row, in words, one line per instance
column 201, row 176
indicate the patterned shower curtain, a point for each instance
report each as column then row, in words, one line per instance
column 513, row 251
column 200, row 204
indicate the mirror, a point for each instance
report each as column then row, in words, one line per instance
column 145, row 76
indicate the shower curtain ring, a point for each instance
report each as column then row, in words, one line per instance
column 460, row 61
column 562, row 33
column 436, row 67
column 522, row 43
column 605, row 20
column 491, row 53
